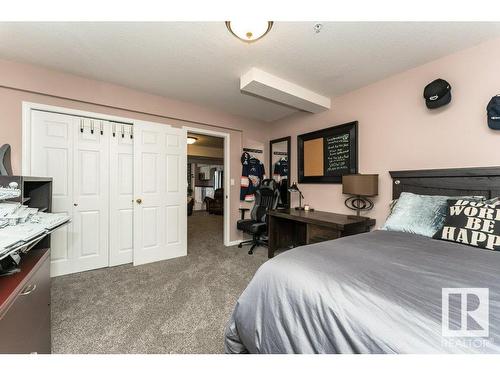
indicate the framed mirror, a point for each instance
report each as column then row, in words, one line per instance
column 279, row 167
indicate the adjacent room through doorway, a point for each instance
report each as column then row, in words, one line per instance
column 206, row 196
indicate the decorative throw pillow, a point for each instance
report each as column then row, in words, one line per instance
column 419, row 214
column 474, row 223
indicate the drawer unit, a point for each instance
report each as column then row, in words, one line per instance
column 25, row 316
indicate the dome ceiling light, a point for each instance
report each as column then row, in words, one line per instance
column 191, row 140
column 249, row 31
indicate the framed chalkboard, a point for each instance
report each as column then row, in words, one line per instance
column 324, row 156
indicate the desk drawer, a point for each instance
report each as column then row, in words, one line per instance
column 25, row 327
column 316, row 233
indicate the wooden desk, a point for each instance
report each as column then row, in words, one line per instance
column 291, row 228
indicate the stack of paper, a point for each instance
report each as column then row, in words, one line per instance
column 9, row 193
column 50, row 221
column 19, row 224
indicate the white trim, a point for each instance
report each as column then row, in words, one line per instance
column 27, row 107
column 234, row 243
column 227, row 178
column 26, row 140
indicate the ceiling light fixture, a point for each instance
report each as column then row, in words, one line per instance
column 191, row 140
column 249, row 31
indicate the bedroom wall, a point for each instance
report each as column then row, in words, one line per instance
column 23, row 82
column 397, row 131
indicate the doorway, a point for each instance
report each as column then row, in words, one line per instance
column 209, row 179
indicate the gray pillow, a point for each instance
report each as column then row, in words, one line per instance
column 419, row 214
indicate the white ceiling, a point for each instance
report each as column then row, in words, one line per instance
column 201, row 62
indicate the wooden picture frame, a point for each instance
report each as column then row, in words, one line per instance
column 322, row 164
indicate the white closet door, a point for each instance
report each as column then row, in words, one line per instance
column 160, row 184
column 52, row 156
column 91, row 196
column 121, row 189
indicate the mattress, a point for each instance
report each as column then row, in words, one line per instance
column 378, row 292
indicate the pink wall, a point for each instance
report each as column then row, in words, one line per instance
column 22, row 82
column 397, row 131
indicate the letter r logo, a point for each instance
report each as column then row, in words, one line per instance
column 465, row 312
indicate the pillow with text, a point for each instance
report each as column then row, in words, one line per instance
column 473, row 223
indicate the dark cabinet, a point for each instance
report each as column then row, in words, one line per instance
column 25, row 306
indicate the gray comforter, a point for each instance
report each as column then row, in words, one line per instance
column 378, row 292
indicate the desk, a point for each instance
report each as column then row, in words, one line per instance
column 291, row 228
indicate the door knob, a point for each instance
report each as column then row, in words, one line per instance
column 138, row 200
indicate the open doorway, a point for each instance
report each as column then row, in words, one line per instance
column 207, row 195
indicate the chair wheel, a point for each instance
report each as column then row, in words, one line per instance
column 250, row 252
column 240, row 245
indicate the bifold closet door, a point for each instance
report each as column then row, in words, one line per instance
column 160, row 190
column 121, row 188
column 75, row 154
column 52, row 156
column 91, row 196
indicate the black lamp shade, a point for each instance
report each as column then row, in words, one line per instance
column 365, row 185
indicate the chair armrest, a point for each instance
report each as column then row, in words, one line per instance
column 242, row 211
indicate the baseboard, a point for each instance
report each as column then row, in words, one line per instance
column 234, row 243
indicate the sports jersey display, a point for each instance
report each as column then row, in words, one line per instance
column 280, row 175
column 252, row 174
column 280, row 169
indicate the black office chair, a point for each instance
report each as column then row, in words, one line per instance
column 266, row 198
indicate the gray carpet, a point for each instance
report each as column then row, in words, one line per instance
column 175, row 306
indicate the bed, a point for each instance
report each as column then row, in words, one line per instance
column 378, row 292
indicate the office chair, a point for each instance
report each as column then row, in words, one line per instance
column 266, row 198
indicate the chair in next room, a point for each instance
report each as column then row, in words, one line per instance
column 266, row 198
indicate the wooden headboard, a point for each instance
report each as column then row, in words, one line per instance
column 484, row 181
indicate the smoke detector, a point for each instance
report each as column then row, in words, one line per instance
column 317, row 27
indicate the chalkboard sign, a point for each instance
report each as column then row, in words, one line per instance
column 326, row 155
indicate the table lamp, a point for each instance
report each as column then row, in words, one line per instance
column 295, row 189
column 360, row 186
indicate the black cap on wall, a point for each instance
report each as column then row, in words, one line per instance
column 437, row 93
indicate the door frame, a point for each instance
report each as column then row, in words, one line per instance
column 27, row 107
column 227, row 176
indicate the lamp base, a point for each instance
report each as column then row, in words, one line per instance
column 358, row 203
column 303, row 209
